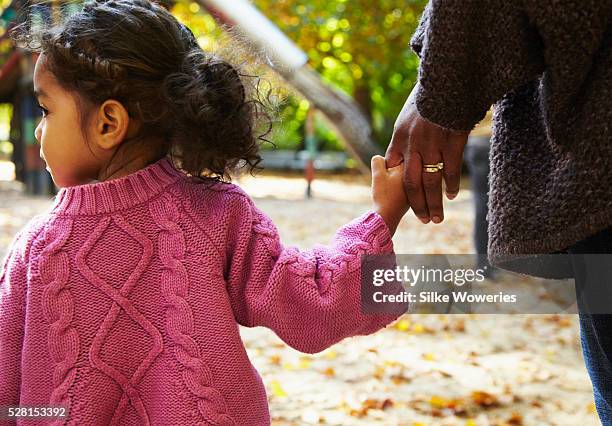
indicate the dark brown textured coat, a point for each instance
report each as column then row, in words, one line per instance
column 547, row 67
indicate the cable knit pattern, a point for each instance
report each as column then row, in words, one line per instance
column 58, row 309
column 121, row 302
column 179, row 316
column 126, row 308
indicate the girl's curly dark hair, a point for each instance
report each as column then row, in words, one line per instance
column 135, row 51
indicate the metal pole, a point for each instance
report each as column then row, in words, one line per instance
column 289, row 61
column 311, row 147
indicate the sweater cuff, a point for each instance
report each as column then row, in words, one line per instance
column 377, row 233
column 439, row 110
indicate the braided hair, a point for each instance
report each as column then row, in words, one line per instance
column 134, row 51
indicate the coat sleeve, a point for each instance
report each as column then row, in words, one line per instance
column 310, row 298
column 472, row 53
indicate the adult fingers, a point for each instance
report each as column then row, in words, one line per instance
column 432, row 185
column 452, row 155
column 413, row 186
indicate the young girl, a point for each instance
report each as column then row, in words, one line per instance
column 122, row 302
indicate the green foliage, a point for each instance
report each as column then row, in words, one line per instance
column 358, row 46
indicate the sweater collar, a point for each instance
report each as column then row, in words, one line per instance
column 117, row 194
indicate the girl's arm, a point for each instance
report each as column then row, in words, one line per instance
column 13, row 287
column 311, row 299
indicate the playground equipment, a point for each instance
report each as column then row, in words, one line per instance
column 16, row 88
column 285, row 58
column 290, row 62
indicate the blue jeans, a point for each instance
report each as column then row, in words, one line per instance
column 596, row 329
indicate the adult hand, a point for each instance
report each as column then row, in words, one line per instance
column 416, row 142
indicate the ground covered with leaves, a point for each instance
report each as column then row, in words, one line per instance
column 421, row 370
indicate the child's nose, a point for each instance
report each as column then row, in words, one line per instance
column 38, row 132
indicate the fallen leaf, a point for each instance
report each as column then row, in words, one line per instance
column 274, row 359
column 515, row 419
column 429, row 356
column 485, row 399
column 403, row 325
column 277, row 389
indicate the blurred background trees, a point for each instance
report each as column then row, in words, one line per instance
column 359, row 46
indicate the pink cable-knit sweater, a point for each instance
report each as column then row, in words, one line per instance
column 122, row 302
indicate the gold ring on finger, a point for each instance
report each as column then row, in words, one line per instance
column 433, row 168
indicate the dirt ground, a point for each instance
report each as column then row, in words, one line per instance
column 423, row 369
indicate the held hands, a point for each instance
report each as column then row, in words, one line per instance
column 388, row 197
column 418, row 142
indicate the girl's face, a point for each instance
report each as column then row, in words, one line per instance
column 62, row 144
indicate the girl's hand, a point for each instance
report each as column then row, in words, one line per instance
column 388, row 196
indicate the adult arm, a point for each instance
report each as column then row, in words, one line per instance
column 472, row 53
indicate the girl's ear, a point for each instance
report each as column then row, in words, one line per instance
column 112, row 123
